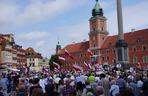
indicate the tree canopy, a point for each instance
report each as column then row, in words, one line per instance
column 54, row 58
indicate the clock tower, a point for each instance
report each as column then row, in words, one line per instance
column 98, row 28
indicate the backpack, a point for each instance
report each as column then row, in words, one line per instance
column 90, row 92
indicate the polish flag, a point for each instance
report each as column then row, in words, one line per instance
column 77, row 68
column 90, row 52
column 86, row 65
column 56, row 65
column 68, row 54
column 61, row 59
column 89, row 66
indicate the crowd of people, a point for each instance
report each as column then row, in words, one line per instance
column 73, row 83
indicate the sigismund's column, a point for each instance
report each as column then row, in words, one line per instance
column 121, row 44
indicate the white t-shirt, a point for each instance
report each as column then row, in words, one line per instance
column 56, row 80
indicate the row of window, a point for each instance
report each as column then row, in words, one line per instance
column 31, row 59
column 107, row 58
column 107, row 51
column 144, row 48
column 79, row 55
column 135, row 59
column 144, row 59
column 31, row 64
column 29, row 53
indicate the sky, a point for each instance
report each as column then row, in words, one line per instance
column 40, row 24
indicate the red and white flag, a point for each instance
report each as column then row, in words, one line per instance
column 89, row 66
column 61, row 59
column 90, row 52
column 77, row 68
column 56, row 65
column 86, row 65
column 68, row 54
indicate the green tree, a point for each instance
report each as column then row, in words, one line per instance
column 54, row 58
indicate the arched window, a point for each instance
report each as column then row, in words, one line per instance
column 144, row 48
column 145, row 59
column 134, row 49
column 135, row 60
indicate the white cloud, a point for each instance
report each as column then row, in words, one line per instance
column 33, row 36
column 15, row 13
column 136, row 16
column 106, row 4
column 73, row 33
column 40, row 44
column 38, row 11
column 7, row 12
column 133, row 17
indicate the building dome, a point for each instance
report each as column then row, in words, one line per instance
column 97, row 10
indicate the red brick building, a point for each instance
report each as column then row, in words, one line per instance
column 20, row 55
column 103, row 46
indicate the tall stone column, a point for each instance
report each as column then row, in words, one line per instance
column 120, row 20
column 121, row 45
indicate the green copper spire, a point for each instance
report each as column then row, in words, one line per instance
column 58, row 47
column 97, row 10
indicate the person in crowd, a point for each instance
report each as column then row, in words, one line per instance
column 79, row 83
column 3, row 83
column 21, row 88
column 99, row 91
column 49, row 88
column 126, row 92
column 30, row 84
column 68, row 90
column 121, row 82
column 114, row 90
column 105, row 84
column 132, row 84
column 145, row 87
column 42, row 83
column 35, row 87
column 37, row 92
column 60, row 87
column 88, row 90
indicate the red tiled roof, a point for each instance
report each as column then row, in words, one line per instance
column 131, row 38
column 30, row 53
column 77, row 47
column 30, row 50
column 2, row 40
